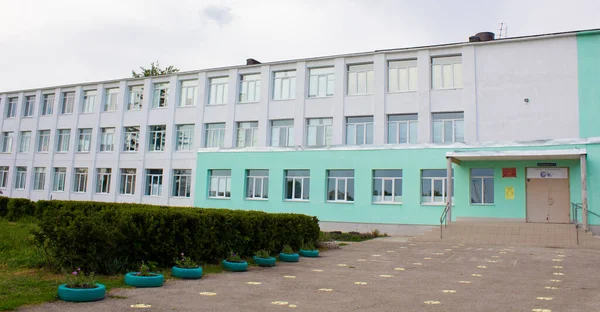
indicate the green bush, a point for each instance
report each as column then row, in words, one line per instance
column 110, row 237
column 18, row 208
column 3, row 206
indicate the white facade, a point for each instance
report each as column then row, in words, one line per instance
column 540, row 72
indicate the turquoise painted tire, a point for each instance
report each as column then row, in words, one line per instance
column 132, row 279
column 81, row 294
column 235, row 266
column 309, row 253
column 265, row 262
column 289, row 257
column 186, row 273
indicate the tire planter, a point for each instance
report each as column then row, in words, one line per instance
column 309, row 253
column 235, row 266
column 265, row 262
column 187, row 273
column 132, row 279
column 81, row 294
column 289, row 257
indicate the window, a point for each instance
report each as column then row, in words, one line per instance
column 127, row 181
column 217, row 92
column 131, row 139
column 403, row 129
column 60, row 175
column 7, row 141
column 257, row 184
column 3, row 176
column 482, row 186
column 136, row 93
column 219, row 185
column 321, row 82
column 434, row 186
column 284, row 85
column 84, row 141
column 402, row 76
column 43, row 140
column 11, row 107
column 360, row 79
column 319, row 131
column 154, row 180
column 111, row 100
column 29, row 106
column 387, row 186
column 25, row 142
column 21, row 178
column 103, row 180
column 297, row 184
column 107, row 139
column 215, row 135
column 62, row 144
column 249, row 88
column 185, row 136
column 47, row 104
column 89, row 101
column 39, row 178
column 157, row 138
column 80, row 183
column 340, row 185
column 446, row 72
column 359, row 130
column 68, row 101
column 247, row 133
column 161, row 95
column 448, row 127
column 189, row 93
column 182, row 182
column 282, row 132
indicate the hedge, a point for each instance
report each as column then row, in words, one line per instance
column 16, row 208
column 107, row 238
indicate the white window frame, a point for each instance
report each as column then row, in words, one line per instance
column 59, row 179
column 249, row 88
column 160, row 97
column 353, row 126
column 47, row 104
column 136, row 95
column 111, row 100
column 4, row 170
column 319, row 75
column 107, row 139
column 432, row 197
column 408, row 121
column 21, row 178
column 89, row 102
column 188, row 88
column 29, row 106
column 481, row 181
column 284, row 85
column 11, row 107
column 247, row 134
column 283, row 128
column 39, row 178
column 360, row 79
column 256, row 180
column 63, row 137
column 182, row 183
column 326, row 130
column 131, row 139
column 185, row 137
column 221, row 178
column 157, row 136
column 337, row 180
column 406, row 76
column 7, row 142
column 442, row 64
column 80, row 180
column 302, row 179
column 43, row 141
column 394, row 179
column 127, row 185
column 25, row 142
column 439, row 119
column 67, row 103
column 215, row 133
column 154, row 182
column 218, row 89
column 84, row 140
column 103, row 176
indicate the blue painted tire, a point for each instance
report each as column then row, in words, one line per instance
column 186, row 273
column 265, row 262
column 309, row 253
column 132, row 279
column 81, row 294
column 289, row 257
column 235, row 266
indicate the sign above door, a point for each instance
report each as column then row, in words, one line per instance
column 547, row 173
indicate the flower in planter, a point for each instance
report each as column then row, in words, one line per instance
column 186, row 262
column 234, row 257
column 145, row 270
column 287, row 249
column 262, row 254
column 309, row 246
column 78, row 279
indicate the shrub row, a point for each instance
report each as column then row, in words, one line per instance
column 111, row 237
column 16, row 208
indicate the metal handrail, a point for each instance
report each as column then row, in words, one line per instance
column 443, row 218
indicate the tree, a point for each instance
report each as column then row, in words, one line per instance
column 154, row 70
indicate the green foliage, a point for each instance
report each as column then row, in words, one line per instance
column 17, row 247
column 3, row 206
column 78, row 279
column 234, row 257
column 287, row 249
column 185, row 262
column 346, row 237
column 262, row 253
column 145, row 270
column 308, row 246
column 18, row 208
column 154, row 70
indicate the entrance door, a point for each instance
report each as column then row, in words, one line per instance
column 548, row 198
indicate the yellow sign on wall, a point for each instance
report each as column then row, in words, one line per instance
column 509, row 192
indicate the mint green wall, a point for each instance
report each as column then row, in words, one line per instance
column 593, row 179
column 588, row 59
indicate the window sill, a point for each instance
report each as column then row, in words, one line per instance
column 184, row 151
column 38, row 191
column 60, row 192
column 242, row 103
column 181, row 197
column 435, row 204
column 220, row 198
column 156, row 152
column 220, row 104
column 297, row 200
column 86, row 113
column 101, row 193
column 42, row 152
column 62, row 152
column 257, row 199
column 18, row 189
column 338, row 202
column 386, row 203
column 27, row 117
column 113, row 111
column 129, row 152
column 9, row 118
column 126, row 194
column 133, row 110
column 397, row 92
column 187, row 106
column 153, row 196
column 488, row 205
column 320, row 97
column 79, row 192
column 46, row 115
column 446, row 89
column 282, row 100
column 82, row 152
column 7, row 153
column 359, row 95
column 159, row 107
column 105, row 152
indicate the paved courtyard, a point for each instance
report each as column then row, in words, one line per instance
column 388, row 274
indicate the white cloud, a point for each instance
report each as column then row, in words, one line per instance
column 220, row 14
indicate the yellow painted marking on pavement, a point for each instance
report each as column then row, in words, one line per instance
column 317, row 270
column 361, row 260
column 464, row 282
column 376, row 255
column 360, row 283
column 482, row 266
column 479, row 249
column 417, row 263
column 326, row 289
column 292, row 306
column 449, row 291
column 551, row 287
column 289, row 276
column 281, row 303
column 398, row 269
column 558, row 267
column 557, row 260
column 385, row 275
column 476, row 275
column 208, row 293
column 558, row 273
column 390, row 251
column 495, row 257
column 253, row 283
column 543, row 298
column 431, row 302
column 555, row 281
column 492, row 261
column 342, row 265
column 502, row 252
column 438, row 253
column 454, row 246
column 412, row 244
column 562, row 256
column 140, row 306
column 403, row 247
column 426, row 258
column 541, row 310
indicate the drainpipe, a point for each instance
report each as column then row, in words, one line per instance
column 584, row 198
column 449, row 187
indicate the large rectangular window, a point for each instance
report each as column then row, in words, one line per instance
column 154, row 181
column 403, row 129
column 217, row 90
column 107, row 139
column 387, row 186
column 157, row 137
column 282, row 132
column 257, row 184
column 448, row 127
column 215, row 135
column 131, row 136
column 360, row 79
column 182, row 182
column 136, row 93
column 25, row 142
column 284, row 85
column 11, row 107
column 297, row 184
column 3, row 177
column 63, row 138
column 29, row 106
column 7, row 141
column 434, row 186
column 161, row 95
column 21, row 178
column 321, row 82
column 247, row 133
column 340, row 185
column 84, row 140
column 39, row 178
column 402, row 76
column 43, row 141
column 482, row 186
column 359, row 130
column 68, row 101
column 249, row 88
column 127, row 186
column 59, row 179
column 103, row 180
column 111, row 100
column 189, row 93
column 446, row 72
column 47, row 104
column 185, row 137
column 219, row 185
column 80, row 181
column 89, row 101
column 319, row 131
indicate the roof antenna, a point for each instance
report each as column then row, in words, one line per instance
column 503, row 31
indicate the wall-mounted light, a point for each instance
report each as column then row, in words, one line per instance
column 526, row 100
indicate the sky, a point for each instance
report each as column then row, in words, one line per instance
column 48, row 43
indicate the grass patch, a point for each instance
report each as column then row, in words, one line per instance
column 344, row 244
column 349, row 236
